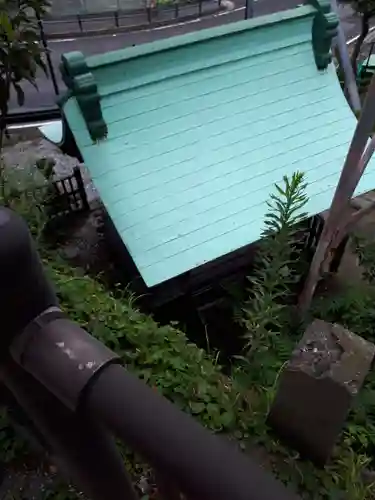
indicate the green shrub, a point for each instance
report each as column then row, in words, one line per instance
column 365, row 251
column 267, row 314
column 160, row 355
column 272, row 282
column 166, row 360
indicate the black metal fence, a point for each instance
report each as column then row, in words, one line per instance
column 59, row 34
column 108, row 22
column 66, row 195
column 155, row 13
column 76, row 394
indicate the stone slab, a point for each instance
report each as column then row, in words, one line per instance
column 317, row 387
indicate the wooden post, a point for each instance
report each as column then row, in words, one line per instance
column 354, row 166
column 351, row 89
column 352, row 219
column 317, row 387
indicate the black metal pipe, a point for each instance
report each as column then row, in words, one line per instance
column 25, row 291
column 47, row 114
column 81, row 188
column 63, row 357
column 202, row 465
column 51, row 69
column 80, row 24
column 84, row 451
column 249, row 9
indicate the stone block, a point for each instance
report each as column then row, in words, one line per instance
column 316, row 388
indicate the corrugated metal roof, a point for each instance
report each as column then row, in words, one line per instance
column 199, row 130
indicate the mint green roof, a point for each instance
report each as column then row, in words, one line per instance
column 199, row 128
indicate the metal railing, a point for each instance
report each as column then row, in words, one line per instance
column 77, row 394
column 50, row 87
column 19, row 115
column 155, row 13
column 66, row 195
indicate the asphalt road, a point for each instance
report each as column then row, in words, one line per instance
column 45, row 96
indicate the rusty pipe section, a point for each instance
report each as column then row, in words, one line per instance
column 61, row 355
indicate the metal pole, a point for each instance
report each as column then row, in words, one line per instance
column 48, row 56
column 24, row 290
column 81, row 188
column 79, row 19
column 149, row 14
column 84, row 450
column 201, row 464
column 249, row 9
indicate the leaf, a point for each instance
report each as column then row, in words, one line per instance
column 6, row 26
column 264, row 313
column 227, row 419
column 197, row 407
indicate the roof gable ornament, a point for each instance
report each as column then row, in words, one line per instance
column 323, row 31
column 81, row 83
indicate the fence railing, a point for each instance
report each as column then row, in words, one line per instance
column 66, row 195
column 49, row 88
column 155, row 13
column 76, row 395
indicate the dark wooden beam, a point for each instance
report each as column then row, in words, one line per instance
column 337, row 219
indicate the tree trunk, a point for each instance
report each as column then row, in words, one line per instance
column 365, row 26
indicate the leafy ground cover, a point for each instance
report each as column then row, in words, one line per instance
column 236, row 401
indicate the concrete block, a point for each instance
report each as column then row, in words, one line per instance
column 317, row 387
